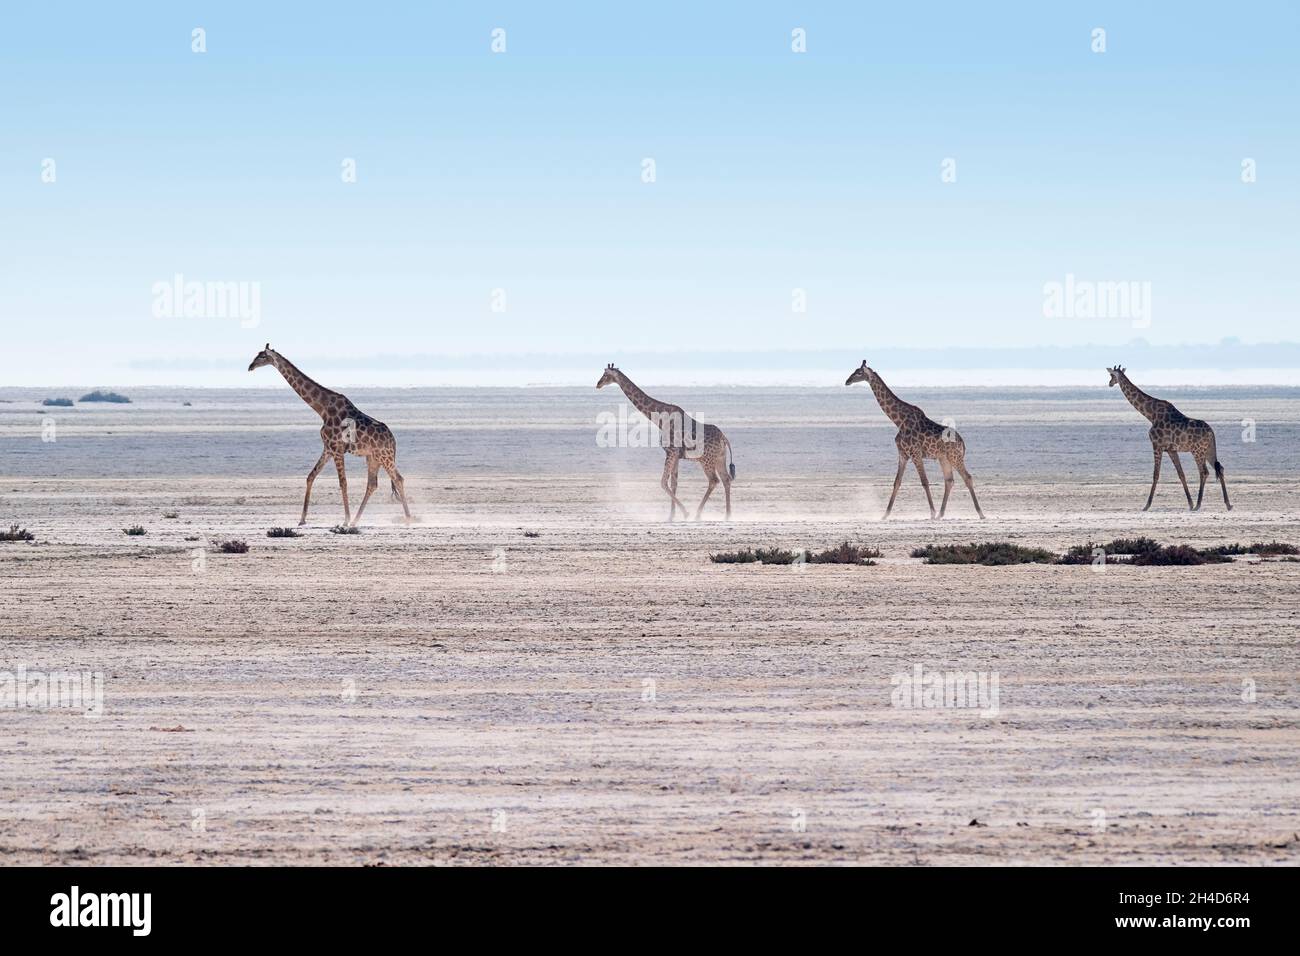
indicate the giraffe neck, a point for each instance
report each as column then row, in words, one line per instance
column 1144, row 403
column 647, row 406
column 309, row 391
column 890, row 403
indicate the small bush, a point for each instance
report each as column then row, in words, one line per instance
column 1265, row 549
column 232, row 546
column 171, row 514
column 1176, row 554
column 99, row 395
column 991, row 553
column 844, row 554
column 283, row 533
column 734, row 557
column 1084, row 554
column 58, row 402
column 134, row 531
column 345, row 529
column 1132, row 546
column 776, row 555
column 16, row 533
column 754, row 556
column 532, row 534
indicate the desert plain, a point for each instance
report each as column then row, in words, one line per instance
column 554, row 684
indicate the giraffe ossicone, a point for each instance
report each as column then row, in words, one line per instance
column 345, row 430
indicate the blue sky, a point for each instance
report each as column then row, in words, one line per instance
column 522, row 172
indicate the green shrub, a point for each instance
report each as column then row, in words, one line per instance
column 99, row 395
column 1265, row 549
column 1178, row 554
column 845, row 553
column 734, row 557
column 991, row 553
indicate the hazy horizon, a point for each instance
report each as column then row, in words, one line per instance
column 1228, row 362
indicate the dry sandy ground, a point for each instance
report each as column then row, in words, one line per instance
column 602, row 693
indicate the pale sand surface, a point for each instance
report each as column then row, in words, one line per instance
column 499, row 716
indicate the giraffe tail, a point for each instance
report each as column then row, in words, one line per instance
column 1214, row 455
column 732, row 465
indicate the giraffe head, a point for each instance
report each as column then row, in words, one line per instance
column 1115, row 373
column 859, row 374
column 609, row 376
column 263, row 358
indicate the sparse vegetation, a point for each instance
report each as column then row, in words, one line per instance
column 845, row 553
column 283, row 533
column 1178, row 554
column 232, row 546
column 58, row 402
column 345, row 529
column 171, row 514
column 532, row 534
column 134, row 531
column 754, row 556
column 1265, row 549
column 991, row 553
column 1146, row 552
column 99, row 395
column 16, row 533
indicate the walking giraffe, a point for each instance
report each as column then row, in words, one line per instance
column 346, row 429
column 919, row 438
column 1172, row 432
column 681, row 437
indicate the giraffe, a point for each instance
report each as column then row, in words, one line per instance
column 919, row 438
column 1172, row 432
column 681, row 437
column 346, row 429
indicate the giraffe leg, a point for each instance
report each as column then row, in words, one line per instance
column 1218, row 470
column 1203, row 470
column 372, row 482
column 925, row 482
column 946, row 465
column 311, row 477
column 898, row 480
column 713, row 483
column 726, row 487
column 1155, row 477
column 669, row 483
column 399, row 485
column 343, row 486
column 970, row 486
column 1178, row 467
